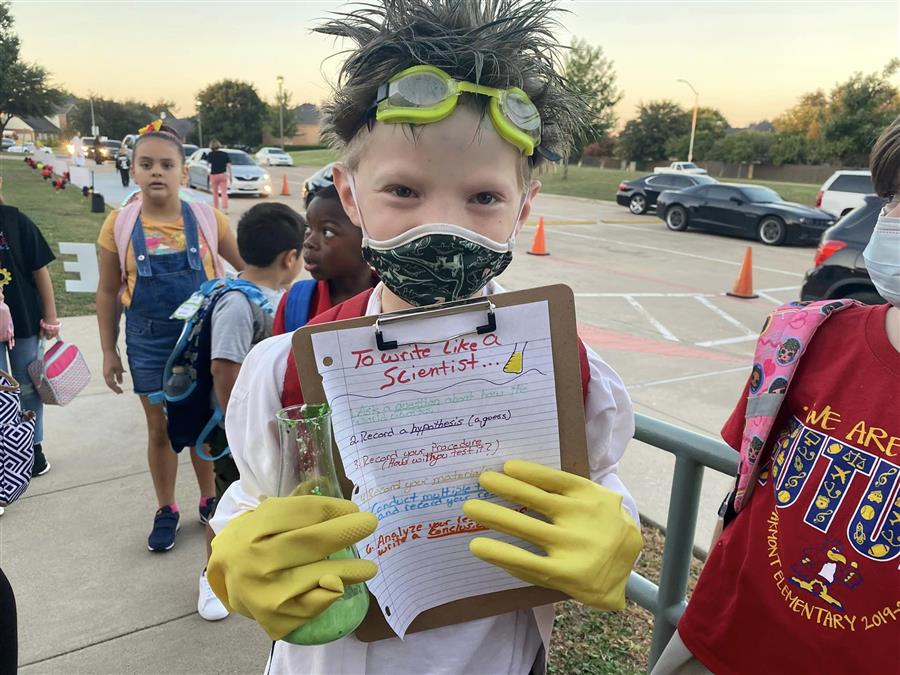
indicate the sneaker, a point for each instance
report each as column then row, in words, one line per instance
column 208, row 605
column 206, row 512
column 2, row 510
column 165, row 525
column 41, row 465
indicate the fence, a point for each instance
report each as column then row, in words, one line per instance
column 786, row 173
column 692, row 453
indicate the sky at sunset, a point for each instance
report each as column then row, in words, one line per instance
column 751, row 60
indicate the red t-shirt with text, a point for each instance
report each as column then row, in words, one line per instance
column 805, row 579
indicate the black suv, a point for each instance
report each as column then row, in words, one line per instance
column 640, row 194
column 840, row 270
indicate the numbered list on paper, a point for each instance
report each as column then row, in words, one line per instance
column 416, row 426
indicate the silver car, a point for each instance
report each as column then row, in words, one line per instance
column 247, row 177
column 274, row 157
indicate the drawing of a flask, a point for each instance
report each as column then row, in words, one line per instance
column 307, row 462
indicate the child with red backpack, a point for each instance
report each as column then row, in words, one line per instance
column 439, row 207
column 332, row 254
column 154, row 253
column 803, row 578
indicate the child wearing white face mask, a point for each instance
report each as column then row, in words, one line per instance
column 804, row 576
column 437, row 171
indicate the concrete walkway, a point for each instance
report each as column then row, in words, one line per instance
column 91, row 597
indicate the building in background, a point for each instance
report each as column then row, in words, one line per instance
column 308, row 119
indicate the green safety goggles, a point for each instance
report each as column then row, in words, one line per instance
column 426, row 94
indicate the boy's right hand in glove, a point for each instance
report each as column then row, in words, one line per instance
column 270, row 564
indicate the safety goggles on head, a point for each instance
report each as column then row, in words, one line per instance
column 320, row 181
column 426, row 94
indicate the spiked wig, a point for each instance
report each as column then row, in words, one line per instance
column 497, row 43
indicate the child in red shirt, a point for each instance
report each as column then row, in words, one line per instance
column 804, row 579
column 332, row 254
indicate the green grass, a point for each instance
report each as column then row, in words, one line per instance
column 61, row 216
column 315, row 158
column 595, row 183
column 590, row 642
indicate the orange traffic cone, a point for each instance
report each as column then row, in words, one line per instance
column 743, row 287
column 284, row 187
column 539, row 244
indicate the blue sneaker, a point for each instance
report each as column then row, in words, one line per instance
column 165, row 525
column 206, row 512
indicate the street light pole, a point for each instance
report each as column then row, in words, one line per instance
column 693, row 120
column 199, row 122
column 281, row 110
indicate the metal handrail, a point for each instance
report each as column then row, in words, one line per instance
column 692, row 452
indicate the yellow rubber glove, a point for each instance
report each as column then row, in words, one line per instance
column 270, row 564
column 591, row 542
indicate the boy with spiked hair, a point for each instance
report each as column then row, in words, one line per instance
column 442, row 111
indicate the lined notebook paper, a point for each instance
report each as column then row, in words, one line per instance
column 416, row 425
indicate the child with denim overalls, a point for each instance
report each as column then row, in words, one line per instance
column 154, row 254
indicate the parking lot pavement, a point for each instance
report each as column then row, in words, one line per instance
column 652, row 303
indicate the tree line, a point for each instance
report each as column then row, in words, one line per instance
column 835, row 127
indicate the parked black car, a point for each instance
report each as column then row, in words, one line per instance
column 840, row 271
column 639, row 194
column 743, row 210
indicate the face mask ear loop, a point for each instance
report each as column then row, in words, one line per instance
column 351, row 181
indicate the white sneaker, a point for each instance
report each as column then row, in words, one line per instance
column 2, row 510
column 208, row 605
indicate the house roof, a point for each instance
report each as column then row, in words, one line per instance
column 40, row 125
column 65, row 106
column 307, row 113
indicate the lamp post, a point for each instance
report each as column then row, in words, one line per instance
column 199, row 121
column 281, row 109
column 693, row 120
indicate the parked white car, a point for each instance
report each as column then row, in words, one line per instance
column 274, row 157
column 680, row 167
column 247, row 177
column 26, row 149
column 844, row 191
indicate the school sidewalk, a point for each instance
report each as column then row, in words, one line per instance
column 91, row 598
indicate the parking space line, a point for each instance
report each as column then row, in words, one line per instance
column 669, row 250
column 726, row 341
column 724, row 315
column 766, row 296
column 685, row 378
column 665, row 332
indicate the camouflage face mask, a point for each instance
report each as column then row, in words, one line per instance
column 437, row 263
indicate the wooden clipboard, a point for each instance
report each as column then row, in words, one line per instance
column 570, row 414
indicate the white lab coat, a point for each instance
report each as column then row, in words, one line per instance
column 498, row 645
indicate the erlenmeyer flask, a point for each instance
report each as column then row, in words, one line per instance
column 307, row 462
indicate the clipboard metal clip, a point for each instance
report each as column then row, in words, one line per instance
column 447, row 309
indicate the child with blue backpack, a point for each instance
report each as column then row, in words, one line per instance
column 239, row 315
column 154, row 253
column 332, row 254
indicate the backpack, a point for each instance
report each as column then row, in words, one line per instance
column 784, row 339
column 187, row 378
column 206, row 220
column 297, row 305
column 16, row 441
column 355, row 307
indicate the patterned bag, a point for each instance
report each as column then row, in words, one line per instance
column 60, row 373
column 16, row 441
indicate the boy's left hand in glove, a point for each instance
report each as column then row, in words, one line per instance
column 591, row 541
